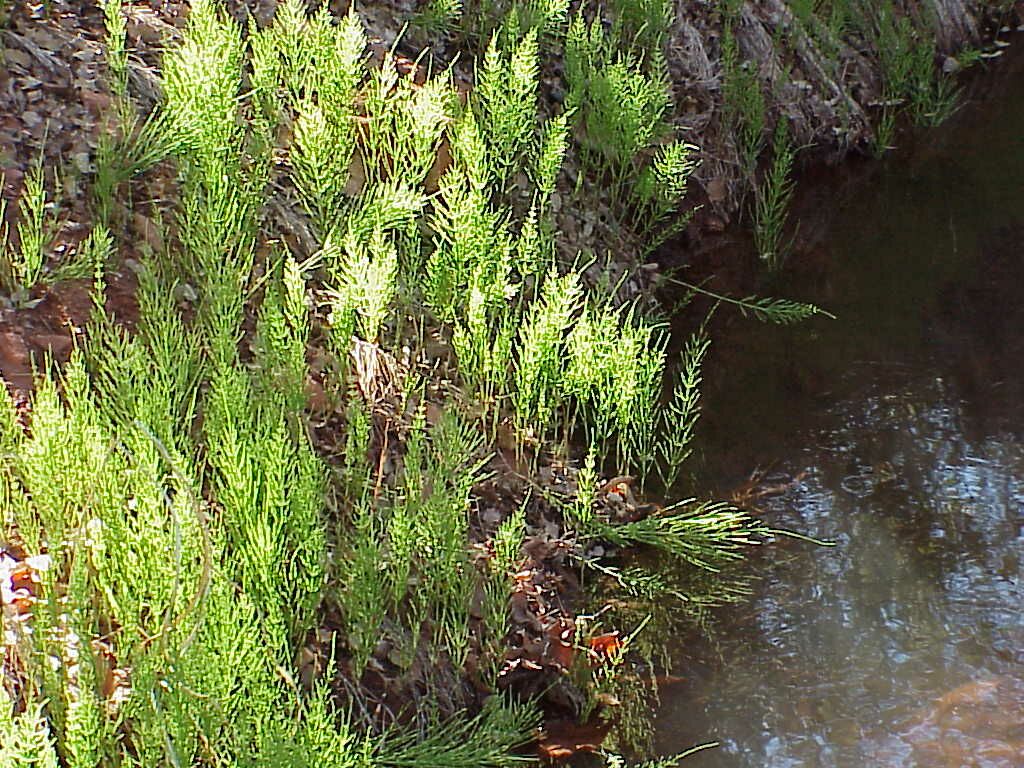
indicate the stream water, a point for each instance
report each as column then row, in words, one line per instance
column 897, row 432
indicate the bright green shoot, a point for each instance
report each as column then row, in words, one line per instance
column 117, row 54
column 507, row 96
column 23, row 267
column 539, row 353
column 773, row 197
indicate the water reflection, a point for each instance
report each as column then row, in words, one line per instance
column 904, row 420
column 854, row 652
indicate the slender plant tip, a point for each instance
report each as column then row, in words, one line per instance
column 800, row 537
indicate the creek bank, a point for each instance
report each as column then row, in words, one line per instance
column 829, row 81
column 540, row 608
column 830, row 88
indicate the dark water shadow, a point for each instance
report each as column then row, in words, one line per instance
column 903, row 421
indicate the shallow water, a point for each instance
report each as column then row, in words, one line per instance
column 899, row 429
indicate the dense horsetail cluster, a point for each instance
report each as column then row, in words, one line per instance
column 191, row 535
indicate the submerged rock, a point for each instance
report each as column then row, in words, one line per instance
column 980, row 724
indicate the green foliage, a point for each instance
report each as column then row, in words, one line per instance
column 269, row 488
column 508, row 541
column 470, row 280
column 418, row 533
column 170, row 475
column 490, row 739
column 472, row 247
column 505, row 561
column 446, row 577
column 660, row 190
column 681, row 414
column 539, row 352
column 619, row 95
column 86, row 735
column 7, row 268
column 22, row 267
column 743, row 101
column 309, row 63
column 117, row 54
column 202, row 85
column 483, row 343
column 614, row 370
column 204, row 602
column 773, row 197
column 95, row 253
column 513, row 19
column 358, row 434
column 25, row 740
column 137, row 147
column 363, row 585
column 150, row 377
column 764, row 308
column 581, row 513
column 281, row 337
column 645, row 22
column 620, row 104
column 669, row 761
column 910, row 78
column 222, row 186
column 703, row 534
column 553, row 147
column 506, row 93
column 404, row 125
column 369, row 280
column 321, row 156
column 439, row 17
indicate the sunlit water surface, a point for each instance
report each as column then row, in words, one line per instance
column 899, row 429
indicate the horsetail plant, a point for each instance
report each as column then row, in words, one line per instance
column 202, row 80
column 545, row 18
column 765, row 309
column 581, row 511
column 470, row 236
column 294, row 43
column 364, row 588
column 620, row 98
column 505, row 560
column 680, row 416
column 637, row 381
column 483, row 345
column 403, row 125
column 538, row 372
column 369, row 278
column 23, row 267
column 25, row 738
column 438, row 17
column 169, row 478
column 743, row 100
column 506, row 93
column 644, row 22
column 117, row 54
column 321, row 155
column 553, row 147
column 773, row 197
column 614, row 370
column 704, row 534
column 660, row 190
